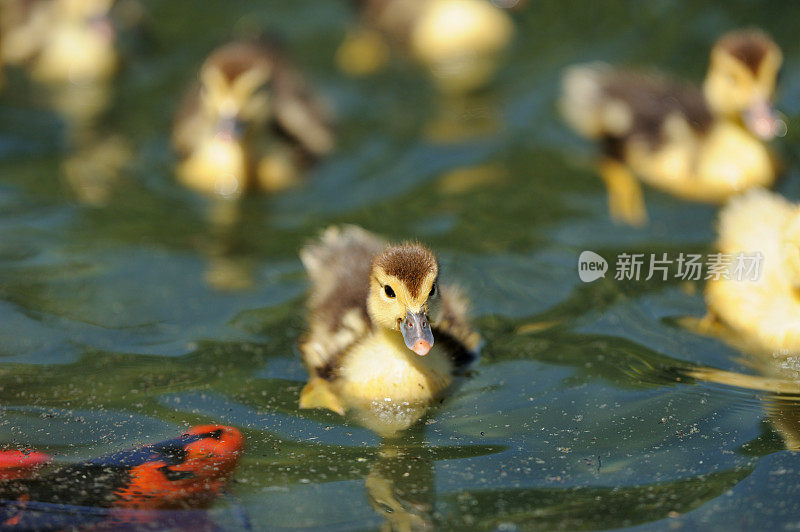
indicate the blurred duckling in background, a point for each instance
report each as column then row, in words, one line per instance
column 700, row 145
column 250, row 124
column 385, row 338
column 62, row 41
column 459, row 42
column 761, row 316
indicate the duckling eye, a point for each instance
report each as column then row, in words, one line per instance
column 389, row 292
column 433, row 291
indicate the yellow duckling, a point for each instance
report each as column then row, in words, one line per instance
column 250, row 124
column 764, row 314
column 63, row 41
column 384, row 336
column 760, row 313
column 458, row 41
column 700, row 145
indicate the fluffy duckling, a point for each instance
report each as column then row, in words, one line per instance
column 458, row 41
column 384, row 336
column 251, row 123
column 703, row 145
column 760, row 315
column 63, row 41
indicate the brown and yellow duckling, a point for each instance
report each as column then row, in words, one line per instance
column 62, row 41
column 250, row 124
column 703, row 145
column 458, row 41
column 385, row 338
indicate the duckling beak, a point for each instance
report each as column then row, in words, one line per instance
column 229, row 128
column 417, row 332
column 761, row 119
column 103, row 26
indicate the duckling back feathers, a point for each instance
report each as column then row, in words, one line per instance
column 338, row 266
column 600, row 102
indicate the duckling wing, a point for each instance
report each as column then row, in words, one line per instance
column 299, row 115
column 338, row 266
column 452, row 327
column 23, row 27
column 187, row 129
column 600, row 102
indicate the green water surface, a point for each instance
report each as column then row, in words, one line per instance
column 130, row 319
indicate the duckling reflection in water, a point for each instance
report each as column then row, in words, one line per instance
column 401, row 488
column 761, row 317
column 385, row 337
column 251, row 123
column 700, row 145
column 96, row 167
column 69, row 46
column 459, row 42
column 229, row 268
column 460, row 118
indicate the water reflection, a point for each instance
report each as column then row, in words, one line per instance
column 460, row 118
column 587, row 508
column 70, row 48
column 401, row 488
column 401, row 480
column 778, row 376
column 97, row 157
column 228, row 267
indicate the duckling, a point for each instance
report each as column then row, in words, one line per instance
column 458, row 41
column 761, row 315
column 251, row 123
column 702, row 145
column 63, row 41
column 385, row 338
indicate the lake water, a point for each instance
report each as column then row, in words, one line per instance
column 131, row 312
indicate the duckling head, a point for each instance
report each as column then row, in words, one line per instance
column 403, row 285
column 92, row 17
column 85, row 10
column 235, row 90
column 741, row 80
